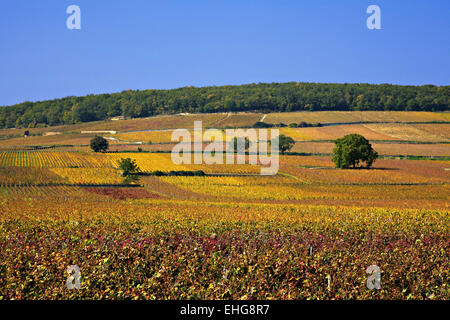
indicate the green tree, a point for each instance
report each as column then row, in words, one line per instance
column 262, row 97
column 285, row 143
column 130, row 170
column 99, row 144
column 128, row 166
column 351, row 150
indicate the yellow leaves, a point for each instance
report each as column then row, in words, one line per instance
column 296, row 134
column 180, row 249
column 147, row 162
column 50, row 159
column 89, row 175
column 145, row 137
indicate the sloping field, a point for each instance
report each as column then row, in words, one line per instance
column 28, row 176
column 156, row 122
column 385, row 171
column 154, row 249
column 58, row 139
column 384, row 149
column 144, row 147
column 393, row 132
column 332, row 133
column 70, row 134
column 238, row 120
column 423, row 132
column 12, row 194
column 280, row 188
column 149, row 162
column 221, row 120
column 49, row 159
column 438, row 129
column 145, row 137
column 280, row 236
column 356, row 116
column 399, row 132
column 238, row 235
column 386, row 132
column 89, row 175
column 124, row 193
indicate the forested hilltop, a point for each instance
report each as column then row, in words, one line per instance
column 262, row 97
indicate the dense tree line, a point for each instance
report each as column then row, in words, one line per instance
column 263, row 97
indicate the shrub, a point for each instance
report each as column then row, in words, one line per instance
column 128, row 167
column 260, row 124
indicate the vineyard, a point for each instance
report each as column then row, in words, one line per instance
column 169, row 250
column 308, row 232
column 357, row 116
column 89, row 175
column 385, row 149
column 53, row 159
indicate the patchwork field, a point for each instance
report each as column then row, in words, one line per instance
column 56, row 139
column 385, row 149
column 308, row 232
column 154, row 133
column 156, row 122
column 356, row 117
column 390, row 132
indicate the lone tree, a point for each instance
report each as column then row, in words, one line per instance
column 285, row 143
column 129, row 169
column 99, row 144
column 353, row 149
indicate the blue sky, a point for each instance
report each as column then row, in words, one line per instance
column 145, row 44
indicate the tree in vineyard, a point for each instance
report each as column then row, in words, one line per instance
column 285, row 143
column 353, row 149
column 99, row 144
column 130, row 170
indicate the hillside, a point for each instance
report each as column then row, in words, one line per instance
column 262, row 97
column 230, row 227
column 392, row 133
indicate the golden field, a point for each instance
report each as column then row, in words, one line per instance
column 231, row 234
column 356, row 116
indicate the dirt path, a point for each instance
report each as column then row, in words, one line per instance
column 219, row 121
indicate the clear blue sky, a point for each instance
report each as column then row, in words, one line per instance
column 144, row 44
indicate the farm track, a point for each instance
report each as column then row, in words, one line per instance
column 221, row 120
column 263, row 118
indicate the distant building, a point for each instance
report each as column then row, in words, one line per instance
column 118, row 118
